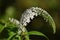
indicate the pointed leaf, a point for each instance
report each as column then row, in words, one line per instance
column 37, row 33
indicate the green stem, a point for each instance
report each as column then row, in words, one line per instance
column 26, row 37
column 11, row 37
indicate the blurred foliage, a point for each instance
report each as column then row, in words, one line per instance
column 10, row 12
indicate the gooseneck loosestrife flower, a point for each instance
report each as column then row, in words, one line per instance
column 29, row 14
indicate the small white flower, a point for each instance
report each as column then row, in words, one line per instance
column 28, row 20
column 11, row 19
column 19, row 32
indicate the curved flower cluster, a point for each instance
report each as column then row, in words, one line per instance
column 29, row 14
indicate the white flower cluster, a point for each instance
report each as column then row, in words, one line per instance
column 14, row 21
column 20, row 27
column 29, row 14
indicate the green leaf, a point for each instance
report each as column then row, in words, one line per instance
column 2, row 26
column 17, row 37
column 37, row 33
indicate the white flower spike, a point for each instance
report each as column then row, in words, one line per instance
column 35, row 11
